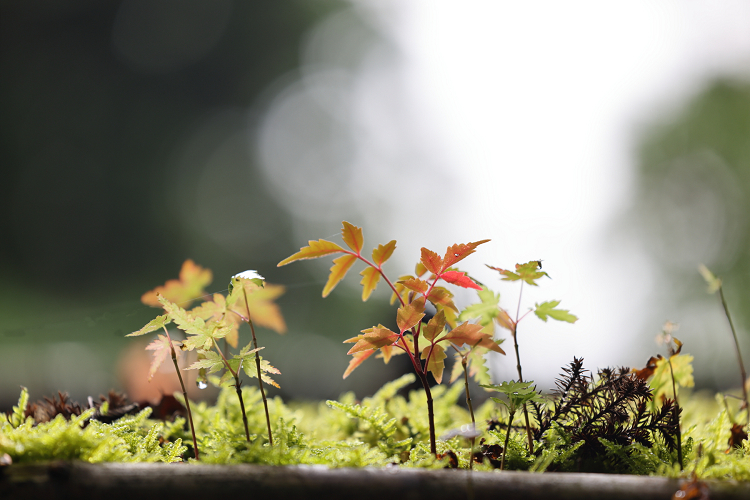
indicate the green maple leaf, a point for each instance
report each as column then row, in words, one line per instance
column 485, row 311
column 518, row 393
column 548, row 309
column 153, row 325
column 211, row 361
column 528, row 272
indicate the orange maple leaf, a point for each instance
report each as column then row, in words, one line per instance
column 190, row 286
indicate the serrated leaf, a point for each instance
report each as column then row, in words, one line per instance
column 435, row 354
column 712, row 281
column 441, row 296
column 661, row 382
column 211, row 361
column 157, row 323
column 473, row 336
column 263, row 310
column 357, row 360
column 546, row 309
column 370, row 279
column 251, row 370
column 485, row 311
column 460, row 251
column 314, row 250
column 517, row 393
column 216, row 310
column 341, row 266
column 434, row 327
column 352, row 236
column 476, row 365
column 183, row 319
column 410, row 315
column 528, row 272
column 503, row 319
column 431, row 261
column 415, row 285
column 190, row 286
column 460, row 279
column 401, row 290
column 373, row 338
column 162, row 348
column 383, row 252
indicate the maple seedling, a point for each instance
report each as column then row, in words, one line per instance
column 161, row 346
column 412, row 294
column 249, row 300
column 517, row 394
column 527, row 273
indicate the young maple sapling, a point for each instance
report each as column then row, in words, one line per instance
column 219, row 318
column 489, row 309
column 518, row 394
column 412, row 293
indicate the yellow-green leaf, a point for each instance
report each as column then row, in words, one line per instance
column 383, row 252
column 434, row 327
column 153, row 325
column 370, row 279
column 314, row 250
column 339, row 269
column 352, row 236
column 435, row 355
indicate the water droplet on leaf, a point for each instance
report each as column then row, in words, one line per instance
column 201, row 384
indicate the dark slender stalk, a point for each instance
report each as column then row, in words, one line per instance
column 743, row 373
column 677, row 414
column 507, row 438
column 465, row 363
column 257, row 366
column 237, row 385
column 520, row 374
column 430, row 412
column 184, row 394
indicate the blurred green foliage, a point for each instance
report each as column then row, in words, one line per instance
column 693, row 195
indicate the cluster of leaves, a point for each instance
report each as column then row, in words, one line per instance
column 217, row 318
column 412, row 292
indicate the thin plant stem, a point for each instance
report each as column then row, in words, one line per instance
column 507, row 438
column 184, row 395
column 430, row 410
column 464, row 363
column 520, row 374
column 257, row 366
column 677, row 414
column 739, row 355
column 237, row 386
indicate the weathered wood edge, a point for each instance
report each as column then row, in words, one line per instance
column 115, row 481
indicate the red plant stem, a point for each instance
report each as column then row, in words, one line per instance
column 257, row 366
column 184, row 395
column 380, row 270
column 743, row 373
